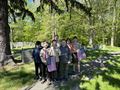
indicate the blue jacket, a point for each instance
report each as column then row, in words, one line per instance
column 65, row 54
column 36, row 54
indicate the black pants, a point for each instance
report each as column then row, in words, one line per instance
column 74, row 58
column 51, row 75
column 44, row 70
column 38, row 69
column 57, row 73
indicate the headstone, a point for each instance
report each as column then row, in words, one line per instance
column 27, row 56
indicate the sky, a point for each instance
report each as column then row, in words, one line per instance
column 30, row 0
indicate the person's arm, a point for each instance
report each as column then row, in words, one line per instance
column 59, row 52
column 49, row 50
column 33, row 53
column 69, row 55
column 41, row 56
column 79, row 45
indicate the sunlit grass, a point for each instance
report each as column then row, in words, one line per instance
column 20, row 76
column 17, row 78
column 109, row 48
column 107, row 80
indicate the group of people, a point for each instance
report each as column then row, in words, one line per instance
column 52, row 59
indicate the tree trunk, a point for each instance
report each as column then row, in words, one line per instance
column 112, row 38
column 91, row 31
column 90, row 40
column 113, row 24
column 4, row 32
column 90, row 20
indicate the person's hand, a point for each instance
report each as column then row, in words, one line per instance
column 44, row 62
column 69, row 62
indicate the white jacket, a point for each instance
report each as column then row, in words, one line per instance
column 55, row 52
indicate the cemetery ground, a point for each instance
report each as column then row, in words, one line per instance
column 99, row 71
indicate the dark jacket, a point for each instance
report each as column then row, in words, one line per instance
column 36, row 54
column 65, row 54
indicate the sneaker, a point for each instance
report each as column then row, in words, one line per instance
column 40, row 79
column 36, row 78
column 50, row 83
column 44, row 81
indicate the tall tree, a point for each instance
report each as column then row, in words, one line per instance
column 9, row 8
column 4, row 31
column 16, row 8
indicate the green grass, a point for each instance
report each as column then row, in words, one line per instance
column 112, row 49
column 17, row 78
column 18, row 50
column 107, row 79
column 94, row 54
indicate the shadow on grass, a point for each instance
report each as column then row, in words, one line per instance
column 93, row 68
column 72, row 84
column 16, row 79
column 97, row 86
column 112, row 81
column 111, row 65
column 94, row 54
column 89, row 69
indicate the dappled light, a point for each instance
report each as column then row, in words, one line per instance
column 59, row 45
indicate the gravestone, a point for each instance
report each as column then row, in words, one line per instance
column 27, row 56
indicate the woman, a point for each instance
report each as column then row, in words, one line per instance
column 44, row 56
column 54, row 53
column 75, row 49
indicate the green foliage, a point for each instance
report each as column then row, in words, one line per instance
column 68, row 28
column 74, row 23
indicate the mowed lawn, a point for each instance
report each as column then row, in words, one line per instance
column 106, row 77
column 16, row 78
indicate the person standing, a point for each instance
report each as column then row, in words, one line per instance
column 64, row 59
column 44, row 56
column 56, row 38
column 54, row 53
column 75, row 48
column 37, row 60
column 70, row 46
column 81, row 53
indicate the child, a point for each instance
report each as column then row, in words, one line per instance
column 64, row 59
column 37, row 59
column 44, row 56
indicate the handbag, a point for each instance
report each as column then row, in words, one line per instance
column 49, row 60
